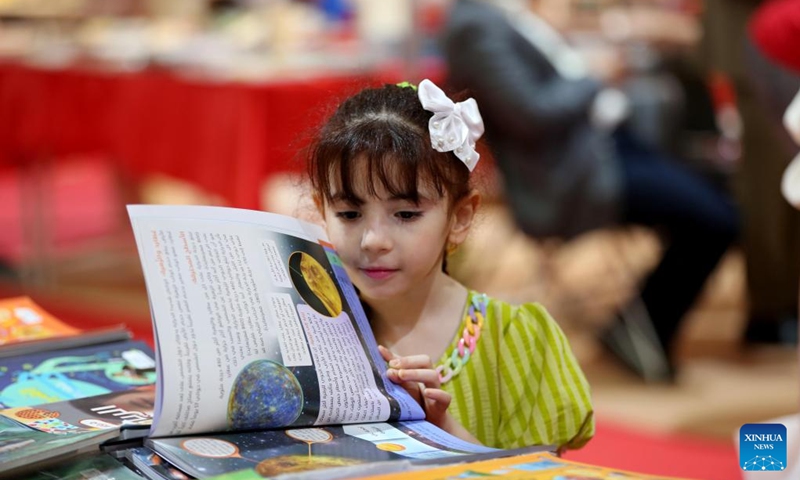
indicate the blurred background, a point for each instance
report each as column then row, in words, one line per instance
column 105, row 103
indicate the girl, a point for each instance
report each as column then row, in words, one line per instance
column 390, row 171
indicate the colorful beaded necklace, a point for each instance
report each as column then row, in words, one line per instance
column 472, row 325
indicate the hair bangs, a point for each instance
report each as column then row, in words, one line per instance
column 381, row 153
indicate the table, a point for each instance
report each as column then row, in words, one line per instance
column 224, row 137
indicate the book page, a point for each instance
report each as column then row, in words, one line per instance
column 256, row 325
column 275, row 452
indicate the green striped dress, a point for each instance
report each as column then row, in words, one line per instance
column 522, row 386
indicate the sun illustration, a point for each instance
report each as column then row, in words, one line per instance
column 319, row 284
column 390, row 447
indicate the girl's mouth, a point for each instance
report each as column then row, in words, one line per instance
column 378, row 273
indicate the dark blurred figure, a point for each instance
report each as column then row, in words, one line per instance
column 771, row 227
column 772, row 57
column 566, row 170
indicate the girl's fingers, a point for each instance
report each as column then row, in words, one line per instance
column 425, row 376
column 438, row 395
column 436, row 402
column 386, row 353
column 415, row 389
column 393, row 376
column 416, row 375
column 411, row 361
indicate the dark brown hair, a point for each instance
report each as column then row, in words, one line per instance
column 388, row 128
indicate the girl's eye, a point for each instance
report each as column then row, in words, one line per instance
column 348, row 215
column 408, row 215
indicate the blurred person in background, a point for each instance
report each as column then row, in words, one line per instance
column 568, row 167
column 770, row 227
column 774, row 31
column 772, row 64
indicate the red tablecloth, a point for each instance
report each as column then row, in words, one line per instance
column 225, row 137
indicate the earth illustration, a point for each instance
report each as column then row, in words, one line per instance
column 265, row 395
column 300, row 463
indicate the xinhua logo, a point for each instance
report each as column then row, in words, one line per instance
column 762, row 447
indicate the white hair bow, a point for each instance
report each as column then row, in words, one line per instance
column 454, row 127
column 790, row 183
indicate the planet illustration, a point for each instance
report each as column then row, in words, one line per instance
column 300, row 463
column 314, row 284
column 390, row 447
column 265, row 394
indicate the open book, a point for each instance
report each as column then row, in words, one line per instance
column 522, row 466
column 259, row 331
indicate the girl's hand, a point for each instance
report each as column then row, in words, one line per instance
column 417, row 376
column 415, row 373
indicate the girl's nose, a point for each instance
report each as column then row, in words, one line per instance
column 375, row 238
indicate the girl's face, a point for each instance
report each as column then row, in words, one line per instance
column 391, row 246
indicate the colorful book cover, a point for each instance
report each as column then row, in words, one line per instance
column 26, row 328
column 97, row 467
column 75, row 373
column 151, row 465
column 23, row 448
column 533, row 466
column 22, row 320
column 101, row 412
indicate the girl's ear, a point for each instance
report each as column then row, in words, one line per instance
column 320, row 206
column 463, row 214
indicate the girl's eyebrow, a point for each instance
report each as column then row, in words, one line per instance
column 357, row 201
column 406, row 197
column 344, row 198
column 415, row 199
